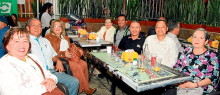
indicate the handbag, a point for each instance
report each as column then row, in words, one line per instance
column 74, row 50
column 190, row 91
column 55, row 91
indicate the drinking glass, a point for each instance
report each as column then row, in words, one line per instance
column 129, row 56
column 157, row 65
column 153, row 59
column 142, row 66
column 142, row 62
column 115, row 48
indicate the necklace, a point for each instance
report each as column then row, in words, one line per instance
column 24, row 59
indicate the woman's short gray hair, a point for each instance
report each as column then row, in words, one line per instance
column 205, row 32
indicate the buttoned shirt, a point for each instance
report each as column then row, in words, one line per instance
column 175, row 39
column 22, row 77
column 120, row 34
column 128, row 43
column 42, row 48
column 165, row 50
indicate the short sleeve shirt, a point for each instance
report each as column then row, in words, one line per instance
column 128, row 43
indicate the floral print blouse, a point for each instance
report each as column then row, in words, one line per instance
column 199, row 67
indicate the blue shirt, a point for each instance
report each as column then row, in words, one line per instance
column 2, row 33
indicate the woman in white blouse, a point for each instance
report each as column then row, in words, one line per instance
column 20, row 73
column 107, row 32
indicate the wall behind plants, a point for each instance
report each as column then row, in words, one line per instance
column 205, row 12
column 134, row 9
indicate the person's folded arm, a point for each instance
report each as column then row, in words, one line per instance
column 190, row 84
column 10, row 85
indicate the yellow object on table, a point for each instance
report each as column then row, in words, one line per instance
column 124, row 56
column 215, row 44
column 189, row 39
column 157, row 69
column 92, row 36
column 82, row 31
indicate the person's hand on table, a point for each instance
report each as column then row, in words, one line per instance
column 49, row 84
column 188, row 84
column 59, row 66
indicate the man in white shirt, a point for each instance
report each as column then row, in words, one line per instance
column 174, row 30
column 161, row 45
column 42, row 48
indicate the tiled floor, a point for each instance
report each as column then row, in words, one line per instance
column 103, row 88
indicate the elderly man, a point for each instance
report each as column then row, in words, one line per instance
column 122, row 30
column 174, row 30
column 135, row 40
column 161, row 45
column 3, row 29
column 42, row 48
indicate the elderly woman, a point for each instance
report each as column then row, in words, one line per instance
column 21, row 73
column 107, row 32
column 64, row 49
column 200, row 63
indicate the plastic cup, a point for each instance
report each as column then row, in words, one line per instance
column 109, row 49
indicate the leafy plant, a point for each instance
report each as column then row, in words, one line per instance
column 34, row 7
column 133, row 9
column 193, row 11
column 83, row 8
column 116, row 8
column 213, row 13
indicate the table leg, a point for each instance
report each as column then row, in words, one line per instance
column 89, row 65
column 86, row 55
column 113, row 86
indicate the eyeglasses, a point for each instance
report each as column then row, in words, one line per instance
column 56, row 26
